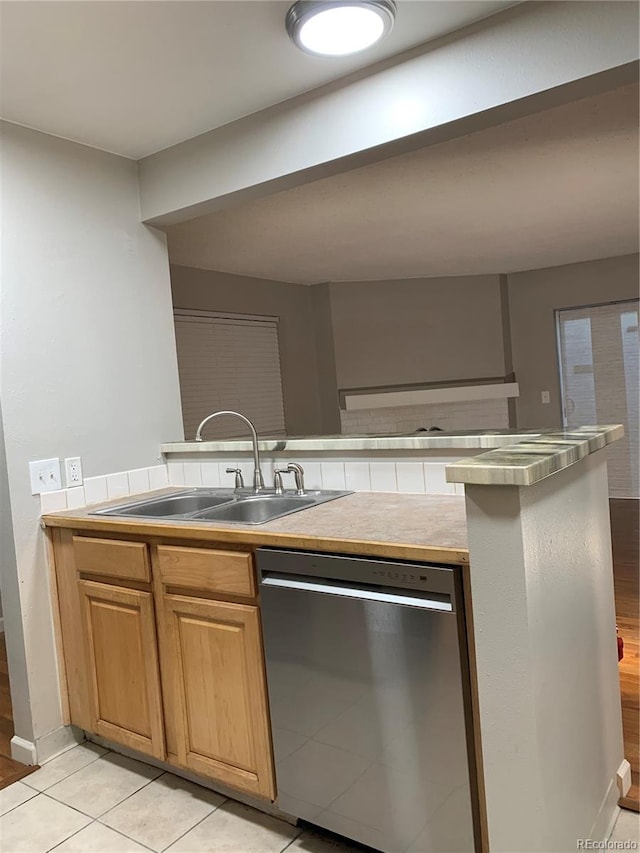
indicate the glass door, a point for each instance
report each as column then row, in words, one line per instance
column 599, row 354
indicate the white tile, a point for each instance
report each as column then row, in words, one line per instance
column 246, row 466
column 234, row 828
column 192, row 474
column 158, row 477
column 138, row 481
column 95, row 490
column 436, row 483
column 103, row 784
column 14, row 795
column 97, row 838
column 161, row 812
column 410, row 477
column 383, row 477
column 175, row 471
column 53, row 501
column 76, row 497
column 357, row 476
column 38, row 825
column 333, row 475
column 64, row 765
column 312, row 475
column 210, row 474
column 627, row 827
column 117, row 485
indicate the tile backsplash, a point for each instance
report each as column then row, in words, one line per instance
column 474, row 414
column 357, row 475
column 104, row 488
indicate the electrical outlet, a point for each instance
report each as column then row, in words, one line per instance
column 73, row 471
column 546, row 397
column 45, row 476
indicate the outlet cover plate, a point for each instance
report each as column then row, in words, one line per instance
column 45, row 476
column 73, row 471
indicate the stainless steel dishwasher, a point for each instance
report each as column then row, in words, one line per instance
column 367, row 672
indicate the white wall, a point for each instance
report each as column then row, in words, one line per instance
column 87, row 360
column 527, row 58
column 548, row 688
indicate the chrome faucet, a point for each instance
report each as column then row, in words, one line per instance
column 258, row 480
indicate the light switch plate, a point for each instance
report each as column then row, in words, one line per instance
column 45, row 476
column 546, row 397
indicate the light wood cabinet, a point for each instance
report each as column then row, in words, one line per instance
column 217, row 693
column 125, row 702
column 163, row 652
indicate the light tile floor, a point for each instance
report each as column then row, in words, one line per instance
column 89, row 800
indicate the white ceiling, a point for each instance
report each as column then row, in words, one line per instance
column 553, row 188
column 135, row 77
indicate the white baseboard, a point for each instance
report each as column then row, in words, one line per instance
column 623, row 777
column 57, row 741
column 46, row 747
column 23, row 750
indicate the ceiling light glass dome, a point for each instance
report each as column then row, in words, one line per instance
column 339, row 27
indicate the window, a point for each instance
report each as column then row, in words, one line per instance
column 229, row 362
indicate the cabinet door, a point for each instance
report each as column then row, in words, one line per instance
column 122, row 661
column 217, row 696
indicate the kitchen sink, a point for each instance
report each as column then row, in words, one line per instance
column 257, row 510
column 227, row 505
column 172, row 506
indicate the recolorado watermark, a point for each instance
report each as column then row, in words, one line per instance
column 588, row 844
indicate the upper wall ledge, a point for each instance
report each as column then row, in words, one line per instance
column 518, row 457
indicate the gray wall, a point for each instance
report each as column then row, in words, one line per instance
column 533, row 298
column 417, row 330
column 88, row 364
column 9, row 587
column 293, row 304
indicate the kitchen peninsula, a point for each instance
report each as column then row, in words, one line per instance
column 531, row 537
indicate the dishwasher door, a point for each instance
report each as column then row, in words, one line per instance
column 365, row 689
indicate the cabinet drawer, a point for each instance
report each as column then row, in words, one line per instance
column 112, row 557
column 229, row 572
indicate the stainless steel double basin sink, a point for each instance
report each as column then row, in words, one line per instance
column 239, row 507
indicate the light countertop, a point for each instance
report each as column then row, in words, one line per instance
column 514, row 458
column 397, row 526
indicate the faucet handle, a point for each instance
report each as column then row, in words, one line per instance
column 239, row 477
column 277, row 479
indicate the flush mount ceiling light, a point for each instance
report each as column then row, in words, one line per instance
column 339, row 27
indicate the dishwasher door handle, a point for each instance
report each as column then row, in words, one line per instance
column 365, row 592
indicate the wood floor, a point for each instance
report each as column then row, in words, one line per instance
column 625, row 534
column 10, row 770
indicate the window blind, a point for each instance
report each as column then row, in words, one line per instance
column 229, row 362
